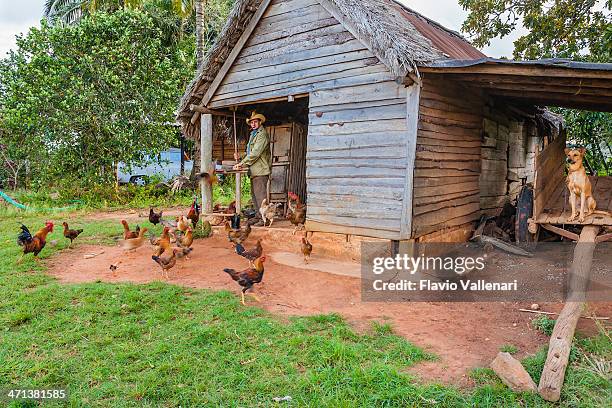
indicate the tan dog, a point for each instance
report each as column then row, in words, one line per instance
column 579, row 185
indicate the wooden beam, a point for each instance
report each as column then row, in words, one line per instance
column 561, row 231
column 526, row 70
column 342, row 229
column 521, row 79
column 552, row 97
column 216, row 112
column 548, row 89
column 206, row 146
column 412, row 125
column 232, row 56
column 553, row 373
column 603, row 238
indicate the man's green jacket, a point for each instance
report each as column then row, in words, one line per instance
column 259, row 157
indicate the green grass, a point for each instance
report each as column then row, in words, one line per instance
column 544, row 324
column 509, row 348
column 59, row 200
column 158, row 345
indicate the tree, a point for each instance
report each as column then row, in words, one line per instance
column 80, row 98
column 557, row 28
column 576, row 29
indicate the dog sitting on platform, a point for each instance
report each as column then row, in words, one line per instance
column 579, row 186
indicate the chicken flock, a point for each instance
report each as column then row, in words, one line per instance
column 177, row 237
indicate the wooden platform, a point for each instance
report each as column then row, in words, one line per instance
column 558, row 208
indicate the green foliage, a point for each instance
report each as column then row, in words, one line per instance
column 576, row 29
column 544, row 324
column 592, row 130
column 78, row 98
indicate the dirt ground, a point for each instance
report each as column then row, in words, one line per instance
column 463, row 335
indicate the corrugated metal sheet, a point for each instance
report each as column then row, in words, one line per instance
column 449, row 42
column 547, row 62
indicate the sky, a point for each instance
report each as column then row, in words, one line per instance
column 17, row 16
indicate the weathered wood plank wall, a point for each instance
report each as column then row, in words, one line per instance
column 298, row 47
column 446, row 190
column 356, row 161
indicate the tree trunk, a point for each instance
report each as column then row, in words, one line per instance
column 200, row 29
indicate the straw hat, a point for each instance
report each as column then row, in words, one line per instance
column 259, row 116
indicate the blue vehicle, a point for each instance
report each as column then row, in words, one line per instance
column 168, row 166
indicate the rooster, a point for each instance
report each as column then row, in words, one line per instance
column 133, row 243
column 127, row 234
column 182, row 252
column 166, row 263
column 155, row 218
column 194, row 212
column 163, row 243
column 268, row 211
column 306, row 249
column 297, row 216
column 185, row 240
column 70, row 233
column 294, row 201
column 33, row 243
column 182, row 223
column 248, row 277
column 251, row 255
column 237, row 236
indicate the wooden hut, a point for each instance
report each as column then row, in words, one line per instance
column 376, row 144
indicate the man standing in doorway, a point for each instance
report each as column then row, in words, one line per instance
column 258, row 160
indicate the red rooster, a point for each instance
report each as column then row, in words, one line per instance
column 248, row 277
column 33, row 243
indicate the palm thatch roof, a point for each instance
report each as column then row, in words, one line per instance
column 401, row 38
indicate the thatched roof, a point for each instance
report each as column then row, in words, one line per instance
column 401, row 38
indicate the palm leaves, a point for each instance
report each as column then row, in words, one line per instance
column 66, row 11
column 71, row 11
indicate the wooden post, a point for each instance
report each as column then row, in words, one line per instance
column 206, row 145
column 238, row 175
column 563, row 333
column 238, row 193
column 413, row 98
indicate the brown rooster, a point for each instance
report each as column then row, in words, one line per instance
column 237, row 236
column 166, row 263
column 182, row 223
column 163, row 243
column 133, row 243
column 248, row 277
column 306, row 249
column 185, row 240
column 127, row 234
column 297, row 216
column 251, row 255
column 182, row 252
column 33, row 244
column 70, row 233
column 194, row 212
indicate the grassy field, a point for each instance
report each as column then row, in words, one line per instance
column 158, row 345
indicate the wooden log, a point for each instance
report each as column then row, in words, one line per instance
column 553, row 373
column 206, row 143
